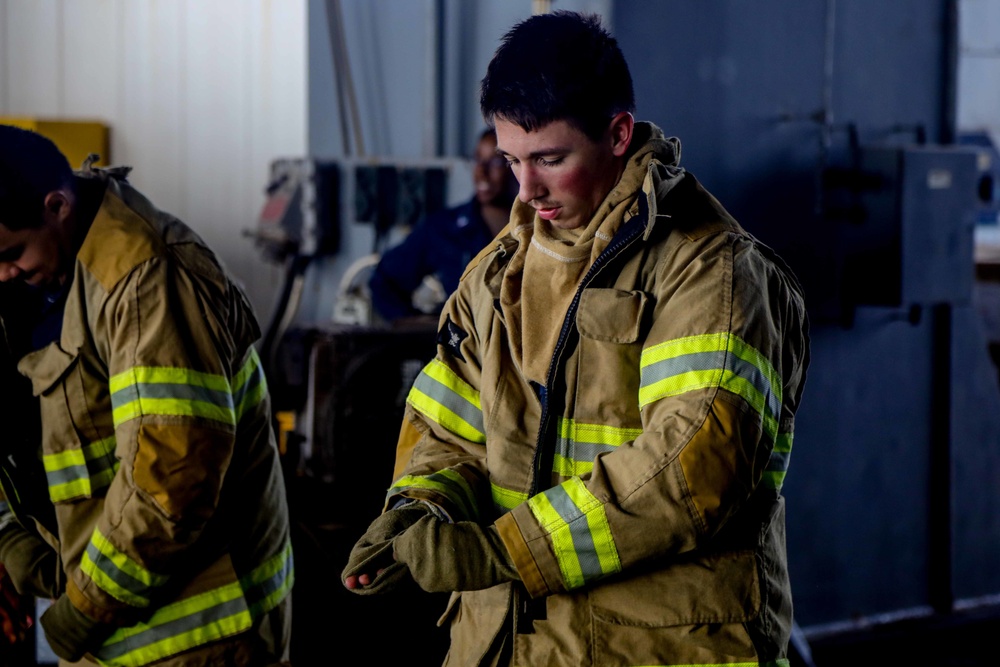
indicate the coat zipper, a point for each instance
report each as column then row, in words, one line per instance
column 619, row 244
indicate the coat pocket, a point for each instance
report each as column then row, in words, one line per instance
column 611, row 324
column 611, row 315
column 693, row 612
column 78, row 462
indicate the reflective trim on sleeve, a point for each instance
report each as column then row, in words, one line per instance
column 448, row 483
column 118, row 575
column 578, row 527
column 504, row 500
column 145, row 390
column 579, row 444
column 249, row 385
column 712, row 360
column 203, row 618
column 80, row 473
column 446, row 399
column 777, row 465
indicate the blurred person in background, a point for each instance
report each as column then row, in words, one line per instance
column 442, row 244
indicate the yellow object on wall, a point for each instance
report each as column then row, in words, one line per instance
column 76, row 139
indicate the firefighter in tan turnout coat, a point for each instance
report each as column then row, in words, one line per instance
column 593, row 462
column 148, row 500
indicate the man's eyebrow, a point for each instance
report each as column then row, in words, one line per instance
column 554, row 150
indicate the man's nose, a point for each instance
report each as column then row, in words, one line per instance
column 8, row 271
column 529, row 185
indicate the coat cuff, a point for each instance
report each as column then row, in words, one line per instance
column 524, row 561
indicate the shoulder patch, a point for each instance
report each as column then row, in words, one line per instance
column 451, row 336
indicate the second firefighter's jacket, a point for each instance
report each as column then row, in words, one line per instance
column 619, row 401
column 170, row 516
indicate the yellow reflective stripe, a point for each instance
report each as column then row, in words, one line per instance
column 506, row 499
column 566, row 467
column 600, row 434
column 249, row 385
column 773, row 479
column 118, row 575
column 686, row 353
column 446, row 482
column 154, row 645
column 80, row 472
column 269, row 583
column 172, row 407
column 579, row 444
column 203, row 618
column 61, row 460
column 777, row 465
column 581, row 535
column 443, row 397
column 167, row 375
column 722, row 359
column 183, row 392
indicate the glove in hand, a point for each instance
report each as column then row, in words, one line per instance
column 372, row 554
column 33, row 566
column 445, row 557
column 70, row 632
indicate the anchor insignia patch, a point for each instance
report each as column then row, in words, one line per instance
column 451, row 336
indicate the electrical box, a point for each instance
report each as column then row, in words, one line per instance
column 388, row 195
column 911, row 242
column 301, row 214
column 75, row 138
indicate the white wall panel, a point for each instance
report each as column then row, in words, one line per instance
column 91, row 50
column 152, row 117
column 32, row 57
column 200, row 98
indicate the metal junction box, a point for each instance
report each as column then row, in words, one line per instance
column 912, row 243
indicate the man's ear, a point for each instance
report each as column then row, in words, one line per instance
column 621, row 133
column 57, row 205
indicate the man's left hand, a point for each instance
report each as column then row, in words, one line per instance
column 445, row 557
column 70, row 632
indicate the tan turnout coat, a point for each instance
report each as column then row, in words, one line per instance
column 636, row 482
column 170, row 517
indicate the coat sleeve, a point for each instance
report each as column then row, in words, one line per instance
column 720, row 374
column 441, row 452
column 181, row 373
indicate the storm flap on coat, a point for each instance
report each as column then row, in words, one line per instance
column 637, row 484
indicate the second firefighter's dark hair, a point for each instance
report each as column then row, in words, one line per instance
column 30, row 167
column 558, row 66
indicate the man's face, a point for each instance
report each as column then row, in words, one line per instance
column 490, row 175
column 36, row 255
column 562, row 173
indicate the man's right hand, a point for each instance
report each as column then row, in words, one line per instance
column 371, row 568
column 14, row 617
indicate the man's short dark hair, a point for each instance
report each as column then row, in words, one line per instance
column 30, row 167
column 558, row 66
